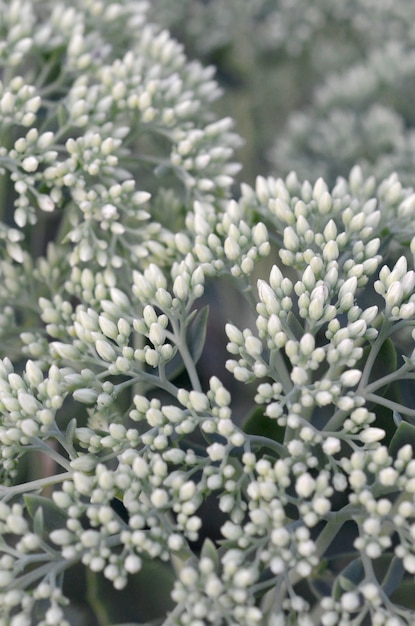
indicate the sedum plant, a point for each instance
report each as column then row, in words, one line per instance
column 118, row 453
column 360, row 115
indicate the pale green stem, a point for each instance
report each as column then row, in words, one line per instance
column 34, row 485
column 278, row 364
column 180, row 337
column 41, row 446
column 383, row 334
column 390, row 378
column 389, row 404
column 265, row 442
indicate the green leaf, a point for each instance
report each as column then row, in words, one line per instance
column 146, row 596
column 404, row 594
column 405, row 433
column 385, row 363
column 45, row 512
column 257, row 423
column 70, row 430
column 349, row 578
column 393, row 576
column 196, row 333
column 295, row 325
column 210, row 551
column 195, row 339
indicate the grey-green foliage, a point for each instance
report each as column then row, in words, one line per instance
column 117, row 213
column 272, row 57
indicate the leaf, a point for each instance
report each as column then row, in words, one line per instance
column 209, row 551
column 70, row 430
column 146, row 596
column 405, row 433
column 257, row 423
column 393, row 576
column 295, row 325
column 195, row 339
column 118, row 507
column 196, row 333
column 349, row 578
column 404, row 594
column 44, row 510
column 385, row 363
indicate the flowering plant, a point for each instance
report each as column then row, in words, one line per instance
column 118, row 453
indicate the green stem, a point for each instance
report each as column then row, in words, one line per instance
column 390, row 378
column 265, row 442
column 34, row 485
column 380, row 340
column 282, row 375
column 389, row 404
column 41, row 446
column 180, row 340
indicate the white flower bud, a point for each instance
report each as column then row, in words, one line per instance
column 315, row 309
column 105, row 351
column 84, row 463
column 299, row 376
column 357, row 222
column 330, row 231
column 388, row 476
column 151, row 357
column 305, row 485
column 308, row 278
column 132, row 564
column 331, row 445
column 394, row 294
column 28, row 402
column 216, row 452
column 320, row 188
column 267, row 296
column 29, row 428
column 291, row 241
column 350, row 601
column 61, row 537
column 198, row 401
column 253, row 346
column 65, row 351
column 159, row 498
column 350, row 378
column 30, row 164
column 181, row 288
column 260, row 234
column 45, row 203
column 108, row 327
column 261, row 188
column 232, row 249
column 157, row 334
column 307, row 344
column 330, row 251
column 85, row 395
column 234, row 334
column 372, row 435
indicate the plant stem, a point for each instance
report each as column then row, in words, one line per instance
column 34, row 485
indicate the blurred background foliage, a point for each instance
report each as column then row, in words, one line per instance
column 314, row 86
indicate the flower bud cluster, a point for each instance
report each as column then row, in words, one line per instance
column 228, row 242
column 205, row 166
column 28, row 406
column 205, row 597
column 396, row 286
column 151, row 286
column 19, row 103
